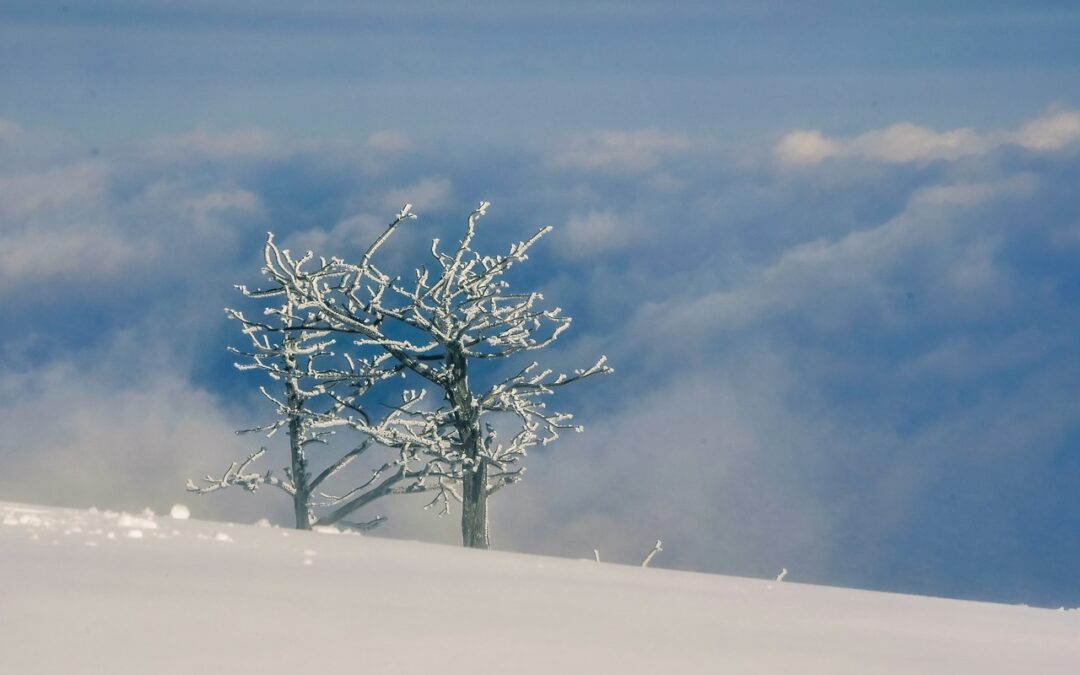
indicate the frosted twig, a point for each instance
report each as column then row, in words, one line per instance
column 657, row 547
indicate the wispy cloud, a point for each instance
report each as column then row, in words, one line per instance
column 68, row 255
column 841, row 280
column 619, row 151
column 597, row 232
column 112, row 429
column 203, row 142
column 23, row 195
column 431, row 194
column 909, row 143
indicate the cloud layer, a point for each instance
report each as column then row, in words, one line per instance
column 909, row 143
column 862, row 374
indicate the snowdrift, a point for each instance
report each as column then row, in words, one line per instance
column 102, row 592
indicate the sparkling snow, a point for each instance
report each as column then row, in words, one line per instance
column 100, row 603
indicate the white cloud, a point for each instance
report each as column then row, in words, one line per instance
column 960, row 358
column 226, row 200
column 904, row 142
column 348, row 238
column 1053, row 132
column 840, row 280
column 973, row 194
column 52, row 229
column 221, row 145
column 117, row 430
column 705, row 448
column 806, row 147
column 595, row 232
column 390, row 142
column 75, row 253
column 211, row 212
column 28, row 194
column 620, row 151
column 428, row 194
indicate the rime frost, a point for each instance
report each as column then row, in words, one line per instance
column 438, row 324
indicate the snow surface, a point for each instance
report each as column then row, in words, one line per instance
column 79, row 595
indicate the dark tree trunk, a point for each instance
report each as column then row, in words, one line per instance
column 474, row 510
column 474, row 493
column 301, row 478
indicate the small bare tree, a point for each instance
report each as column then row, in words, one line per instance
column 316, row 394
column 439, row 326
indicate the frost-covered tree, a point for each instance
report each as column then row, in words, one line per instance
column 439, row 325
column 315, row 392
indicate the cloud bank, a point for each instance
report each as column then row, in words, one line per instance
column 865, row 376
column 909, row 143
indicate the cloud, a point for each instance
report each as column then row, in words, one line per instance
column 117, row 429
column 52, row 230
column 620, row 151
column 836, row 281
column 975, row 193
column 799, row 357
column 75, row 253
column 905, row 142
column 226, row 200
column 595, row 233
column 1052, row 132
column 428, row 194
column 806, row 147
column 203, row 142
column 27, row 194
column 962, row 358
column 390, row 143
column 730, row 448
column 348, row 237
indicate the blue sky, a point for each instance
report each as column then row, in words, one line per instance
column 832, row 253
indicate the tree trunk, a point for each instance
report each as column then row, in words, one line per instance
column 474, row 510
column 474, row 493
column 302, row 496
column 301, row 478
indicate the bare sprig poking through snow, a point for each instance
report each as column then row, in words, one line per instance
column 437, row 324
column 657, row 548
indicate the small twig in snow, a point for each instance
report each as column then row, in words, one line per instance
column 657, row 547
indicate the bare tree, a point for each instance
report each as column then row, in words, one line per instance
column 316, row 394
column 439, row 326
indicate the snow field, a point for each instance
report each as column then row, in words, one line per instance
column 80, row 595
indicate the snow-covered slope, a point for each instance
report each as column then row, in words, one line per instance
column 101, row 592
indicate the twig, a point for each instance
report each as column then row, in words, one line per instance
column 657, row 547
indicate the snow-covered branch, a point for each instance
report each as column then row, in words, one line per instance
column 446, row 317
